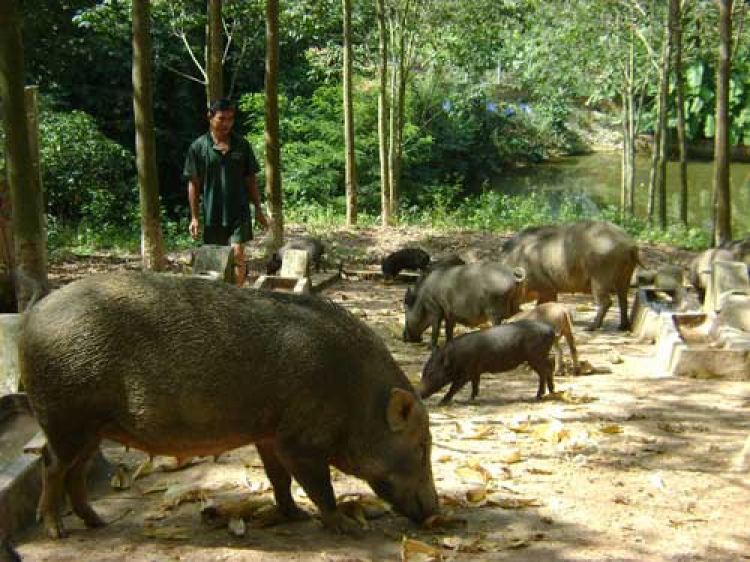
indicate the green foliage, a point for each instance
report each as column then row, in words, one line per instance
column 85, row 175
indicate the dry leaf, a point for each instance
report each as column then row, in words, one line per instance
column 473, row 475
column 671, row 427
column 144, row 469
column 541, row 471
column 121, row 479
column 168, row 533
column 511, row 456
column 508, row 502
column 413, row 550
column 476, row 494
column 615, row 358
column 444, row 522
column 185, row 493
column 611, row 428
column 554, row 431
column 155, row 488
column 520, row 426
column 237, row 527
column 242, row 508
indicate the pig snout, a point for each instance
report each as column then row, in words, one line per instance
column 418, row 505
column 411, row 338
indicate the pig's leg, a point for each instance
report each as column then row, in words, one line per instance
column 558, row 356
column 436, row 330
column 455, row 387
column 450, row 324
column 75, row 484
column 622, row 299
column 603, row 301
column 311, row 470
column 475, row 386
column 544, row 370
column 280, row 480
column 53, row 488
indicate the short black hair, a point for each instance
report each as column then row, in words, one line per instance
column 221, row 104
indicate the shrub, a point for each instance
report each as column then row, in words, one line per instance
column 86, row 176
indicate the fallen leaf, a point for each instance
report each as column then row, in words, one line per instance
column 542, row 471
column 508, row 502
column 511, row 456
column 121, row 479
column 623, row 500
column 412, row 550
column 472, row 475
column 237, row 526
column 168, row 533
column 611, row 428
column 144, row 469
column 671, row 427
column 553, row 432
column 476, row 494
column 444, row 522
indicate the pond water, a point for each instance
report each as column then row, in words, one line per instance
column 596, row 177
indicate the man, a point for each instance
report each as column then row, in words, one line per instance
column 221, row 170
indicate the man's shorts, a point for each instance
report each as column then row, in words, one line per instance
column 226, row 235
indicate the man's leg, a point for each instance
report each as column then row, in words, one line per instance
column 240, row 265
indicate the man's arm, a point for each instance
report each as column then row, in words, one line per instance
column 252, row 189
column 194, row 198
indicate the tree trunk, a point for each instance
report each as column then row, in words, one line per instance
column 273, row 152
column 624, row 194
column 676, row 7
column 215, row 57
column 152, row 243
column 383, row 133
column 663, row 123
column 352, row 180
column 26, row 192
column 722, row 196
column 657, row 183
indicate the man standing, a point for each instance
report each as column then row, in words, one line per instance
column 221, row 170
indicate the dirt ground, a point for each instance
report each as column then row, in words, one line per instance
column 620, row 464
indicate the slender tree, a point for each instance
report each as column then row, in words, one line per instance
column 352, row 179
column 722, row 195
column 657, row 182
column 215, row 52
column 273, row 152
column 152, row 242
column 383, row 128
column 26, row 192
column 679, row 77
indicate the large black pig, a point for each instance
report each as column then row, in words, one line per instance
column 470, row 294
column 188, row 367
column 405, row 258
column 596, row 258
column 496, row 350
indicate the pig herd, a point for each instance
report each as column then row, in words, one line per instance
column 185, row 366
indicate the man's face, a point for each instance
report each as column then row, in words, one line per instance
column 222, row 123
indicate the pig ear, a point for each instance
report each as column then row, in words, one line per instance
column 402, row 409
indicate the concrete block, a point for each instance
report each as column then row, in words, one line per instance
column 668, row 277
column 9, row 353
column 215, row 262
column 727, row 277
column 295, row 264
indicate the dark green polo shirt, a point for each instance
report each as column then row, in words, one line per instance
column 224, row 177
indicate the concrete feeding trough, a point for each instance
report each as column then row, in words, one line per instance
column 20, row 472
column 699, row 345
column 214, row 262
column 655, row 301
column 295, row 276
column 712, row 340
